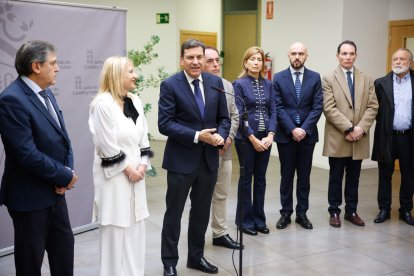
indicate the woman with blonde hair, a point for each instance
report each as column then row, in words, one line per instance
column 122, row 151
column 257, row 94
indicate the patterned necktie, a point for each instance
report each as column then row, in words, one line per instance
column 49, row 105
column 351, row 86
column 198, row 96
column 298, row 86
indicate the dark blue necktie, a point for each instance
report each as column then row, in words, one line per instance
column 198, row 96
column 297, row 88
column 49, row 106
column 351, row 86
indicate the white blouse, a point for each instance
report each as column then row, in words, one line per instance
column 114, row 133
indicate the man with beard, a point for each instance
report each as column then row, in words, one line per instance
column 393, row 138
column 299, row 107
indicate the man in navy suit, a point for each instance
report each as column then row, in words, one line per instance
column 299, row 107
column 39, row 162
column 196, row 121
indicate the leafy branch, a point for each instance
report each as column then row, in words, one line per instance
column 145, row 57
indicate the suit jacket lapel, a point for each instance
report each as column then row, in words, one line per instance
column 289, row 81
column 343, row 83
column 207, row 94
column 40, row 106
column 389, row 91
column 185, row 87
column 305, row 83
column 358, row 90
column 412, row 93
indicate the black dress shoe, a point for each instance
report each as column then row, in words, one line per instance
column 262, row 229
column 170, row 271
column 382, row 216
column 406, row 216
column 226, row 241
column 250, row 231
column 303, row 221
column 283, row 222
column 203, row 266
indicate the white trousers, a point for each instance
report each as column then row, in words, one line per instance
column 219, row 201
column 123, row 250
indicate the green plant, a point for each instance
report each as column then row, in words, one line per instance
column 145, row 57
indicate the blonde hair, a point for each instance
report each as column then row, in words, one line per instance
column 112, row 75
column 250, row 52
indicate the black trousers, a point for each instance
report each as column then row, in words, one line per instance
column 401, row 150
column 293, row 157
column 337, row 167
column 201, row 182
column 255, row 168
column 47, row 229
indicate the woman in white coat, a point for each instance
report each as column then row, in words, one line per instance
column 122, row 151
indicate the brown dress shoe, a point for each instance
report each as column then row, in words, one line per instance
column 354, row 219
column 334, row 220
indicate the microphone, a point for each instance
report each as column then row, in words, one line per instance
column 244, row 117
column 237, row 97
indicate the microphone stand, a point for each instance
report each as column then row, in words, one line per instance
column 244, row 125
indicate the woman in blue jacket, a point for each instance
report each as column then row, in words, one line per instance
column 259, row 99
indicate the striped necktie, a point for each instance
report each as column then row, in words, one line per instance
column 49, row 106
column 297, row 88
column 198, row 96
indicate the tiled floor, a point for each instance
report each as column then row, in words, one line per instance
column 376, row 249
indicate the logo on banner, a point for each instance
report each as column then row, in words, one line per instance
column 13, row 32
column 91, row 62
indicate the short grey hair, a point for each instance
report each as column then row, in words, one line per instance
column 29, row 52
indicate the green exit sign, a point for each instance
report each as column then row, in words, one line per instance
column 163, row 18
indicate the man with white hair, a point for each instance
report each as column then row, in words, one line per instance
column 393, row 138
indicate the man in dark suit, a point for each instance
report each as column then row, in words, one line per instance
column 393, row 137
column 196, row 121
column 39, row 163
column 299, row 107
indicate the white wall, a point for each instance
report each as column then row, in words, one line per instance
column 366, row 23
column 200, row 15
column 401, row 9
column 321, row 31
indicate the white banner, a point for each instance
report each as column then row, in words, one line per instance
column 84, row 37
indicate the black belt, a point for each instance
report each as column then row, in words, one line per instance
column 401, row 132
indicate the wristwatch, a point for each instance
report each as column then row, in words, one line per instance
column 350, row 129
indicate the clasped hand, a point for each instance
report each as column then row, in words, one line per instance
column 355, row 135
column 209, row 136
column 226, row 146
column 135, row 175
column 261, row 145
column 62, row 190
column 298, row 134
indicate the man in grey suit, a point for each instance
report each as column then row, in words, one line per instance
column 219, row 202
column 394, row 138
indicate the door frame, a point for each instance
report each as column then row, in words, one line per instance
column 391, row 50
